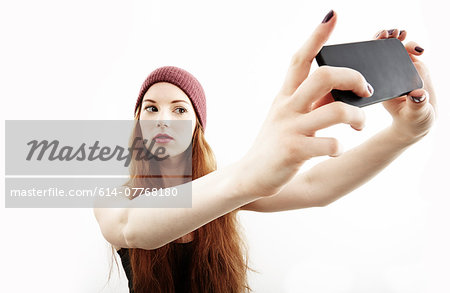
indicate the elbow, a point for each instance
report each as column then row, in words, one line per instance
column 128, row 234
column 129, row 237
column 134, row 239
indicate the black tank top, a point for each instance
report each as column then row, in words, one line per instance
column 181, row 270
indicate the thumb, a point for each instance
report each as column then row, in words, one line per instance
column 417, row 100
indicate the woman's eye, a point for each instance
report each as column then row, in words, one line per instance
column 184, row 110
column 181, row 110
column 146, row 108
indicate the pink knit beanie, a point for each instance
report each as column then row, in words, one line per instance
column 182, row 79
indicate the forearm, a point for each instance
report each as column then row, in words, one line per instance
column 335, row 177
column 213, row 195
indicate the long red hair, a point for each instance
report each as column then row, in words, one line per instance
column 220, row 254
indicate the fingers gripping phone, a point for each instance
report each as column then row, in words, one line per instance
column 384, row 63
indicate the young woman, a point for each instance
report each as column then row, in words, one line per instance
column 200, row 249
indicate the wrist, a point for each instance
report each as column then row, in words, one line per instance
column 402, row 138
column 252, row 178
column 239, row 182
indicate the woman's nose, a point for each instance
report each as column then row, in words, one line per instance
column 163, row 117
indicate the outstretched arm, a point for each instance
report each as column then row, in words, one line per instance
column 335, row 177
column 289, row 128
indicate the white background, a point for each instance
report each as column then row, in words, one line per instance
column 87, row 60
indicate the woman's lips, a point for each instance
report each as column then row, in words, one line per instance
column 162, row 138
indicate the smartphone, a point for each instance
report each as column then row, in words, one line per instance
column 384, row 63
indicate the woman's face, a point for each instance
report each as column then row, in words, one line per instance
column 171, row 107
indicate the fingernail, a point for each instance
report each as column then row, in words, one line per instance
column 417, row 99
column 401, row 32
column 390, row 32
column 370, row 88
column 418, row 49
column 328, row 16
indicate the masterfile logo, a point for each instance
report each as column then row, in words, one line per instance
column 79, row 163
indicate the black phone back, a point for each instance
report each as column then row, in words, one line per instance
column 384, row 63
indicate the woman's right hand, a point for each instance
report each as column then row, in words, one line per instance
column 303, row 106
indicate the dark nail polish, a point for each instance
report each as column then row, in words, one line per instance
column 418, row 49
column 328, row 16
column 418, row 99
column 390, row 32
column 370, row 88
column 401, row 32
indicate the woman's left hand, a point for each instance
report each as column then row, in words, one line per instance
column 413, row 114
